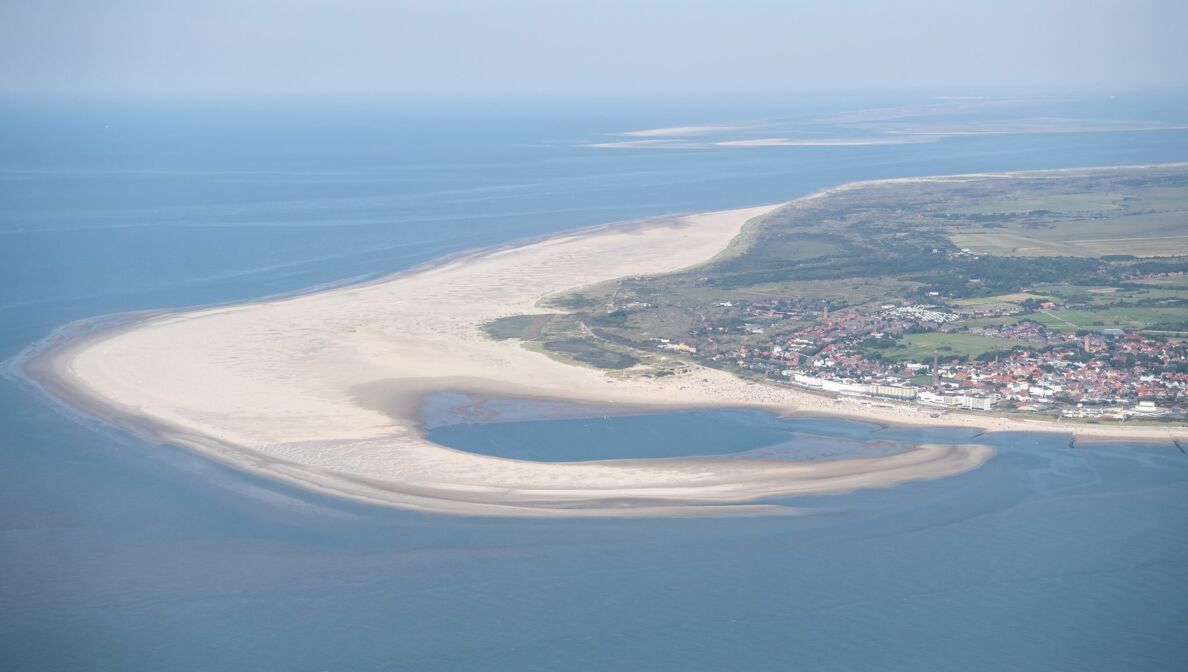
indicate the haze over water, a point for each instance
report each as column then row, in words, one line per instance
column 125, row 556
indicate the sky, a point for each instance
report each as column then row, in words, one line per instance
column 410, row 47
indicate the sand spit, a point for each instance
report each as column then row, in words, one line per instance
column 322, row 390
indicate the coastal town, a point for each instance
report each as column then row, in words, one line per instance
column 1004, row 296
column 1106, row 373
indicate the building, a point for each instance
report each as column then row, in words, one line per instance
column 892, row 391
column 974, row 403
column 1148, row 409
column 969, row 401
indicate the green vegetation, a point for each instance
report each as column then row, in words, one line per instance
column 920, row 347
column 564, row 337
column 1128, row 317
column 1175, row 281
column 523, row 327
column 1144, row 220
column 1086, row 203
column 1017, row 297
column 1086, row 251
column 589, row 353
column 892, row 243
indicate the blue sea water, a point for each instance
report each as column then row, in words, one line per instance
column 119, row 555
column 735, row 433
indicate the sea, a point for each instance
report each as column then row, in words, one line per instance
column 122, row 555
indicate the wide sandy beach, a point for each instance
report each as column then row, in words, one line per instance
column 323, row 390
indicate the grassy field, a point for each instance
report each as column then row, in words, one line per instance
column 1150, row 222
column 1114, row 318
column 995, row 321
column 1107, row 296
column 1170, row 282
column 1017, row 297
column 1078, row 203
column 808, row 248
column 1016, row 243
column 920, row 347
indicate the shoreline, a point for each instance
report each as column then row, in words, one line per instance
column 322, row 389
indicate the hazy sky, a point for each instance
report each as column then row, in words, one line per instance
column 199, row 47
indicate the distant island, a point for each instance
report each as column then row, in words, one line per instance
column 1064, row 286
column 1058, row 294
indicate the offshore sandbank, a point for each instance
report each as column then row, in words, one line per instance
column 322, row 390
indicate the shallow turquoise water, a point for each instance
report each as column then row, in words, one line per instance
column 118, row 555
